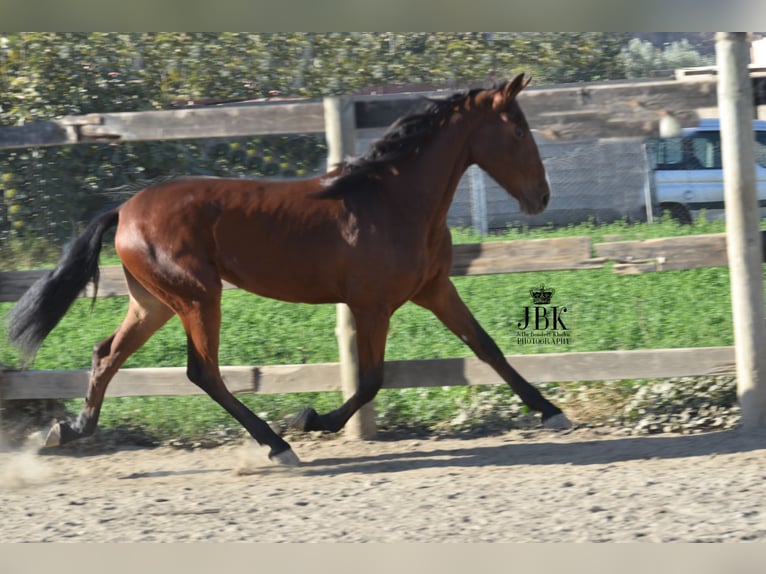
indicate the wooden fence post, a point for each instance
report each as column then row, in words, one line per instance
column 743, row 239
column 340, row 132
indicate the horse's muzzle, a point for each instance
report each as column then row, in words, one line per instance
column 535, row 202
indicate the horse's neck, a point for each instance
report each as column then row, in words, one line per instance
column 431, row 179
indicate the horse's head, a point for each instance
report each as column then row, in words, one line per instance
column 503, row 146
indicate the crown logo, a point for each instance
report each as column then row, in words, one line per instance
column 542, row 296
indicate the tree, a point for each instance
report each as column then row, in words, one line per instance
column 640, row 58
column 51, row 191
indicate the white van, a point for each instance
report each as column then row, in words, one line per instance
column 686, row 174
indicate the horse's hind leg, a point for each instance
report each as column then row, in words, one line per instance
column 202, row 320
column 145, row 315
column 443, row 300
column 371, row 331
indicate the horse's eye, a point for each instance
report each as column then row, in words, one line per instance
column 519, row 131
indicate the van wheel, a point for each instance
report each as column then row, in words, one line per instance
column 677, row 212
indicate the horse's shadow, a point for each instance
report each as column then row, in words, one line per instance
column 511, row 453
column 585, row 452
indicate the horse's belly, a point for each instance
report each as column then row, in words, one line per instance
column 307, row 282
column 285, row 284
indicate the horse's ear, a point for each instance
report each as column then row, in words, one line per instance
column 510, row 90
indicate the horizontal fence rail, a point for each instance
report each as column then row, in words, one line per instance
column 561, row 113
column 274, row 379
column 559, row 254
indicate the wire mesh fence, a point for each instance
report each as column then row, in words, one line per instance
column 600, row 181
column 49, row 193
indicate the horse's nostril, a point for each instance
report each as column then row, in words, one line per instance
column 546, row 198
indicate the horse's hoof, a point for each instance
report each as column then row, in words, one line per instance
column 54, row 436
column 285, row 458
column 558, row 422
column 302, row 420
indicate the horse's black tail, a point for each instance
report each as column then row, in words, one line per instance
column 43, row 305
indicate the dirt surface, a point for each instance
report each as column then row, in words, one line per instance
column 580, row 485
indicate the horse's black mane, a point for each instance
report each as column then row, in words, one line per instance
column 401, row 139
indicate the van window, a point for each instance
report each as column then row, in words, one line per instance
column 668, row 153
column 703, row 151
column 700, row 151
column 760, row 148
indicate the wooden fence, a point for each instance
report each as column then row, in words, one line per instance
column 486, row 258
column 570, row 253
column 562, row 113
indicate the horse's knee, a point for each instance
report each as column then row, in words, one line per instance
column 369, row 385
column 364, row 395
column 101, row 350
column 198, row 372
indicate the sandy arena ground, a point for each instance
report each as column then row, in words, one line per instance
column 580, row 485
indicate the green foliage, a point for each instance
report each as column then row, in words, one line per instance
column 51, row 192
column 570, row 57
column 640, row 58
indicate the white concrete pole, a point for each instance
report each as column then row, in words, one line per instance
column 743, row 237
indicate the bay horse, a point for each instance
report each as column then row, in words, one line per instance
column 371, row 233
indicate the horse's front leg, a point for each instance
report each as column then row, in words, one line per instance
column 443, row 300
column 371, row 332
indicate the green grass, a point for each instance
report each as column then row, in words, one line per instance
column 616, row 231
column 606, row 312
